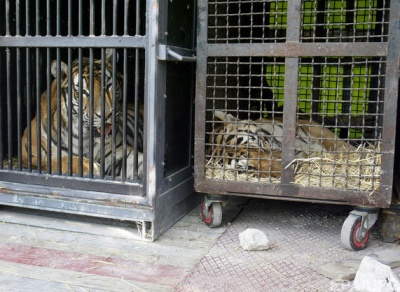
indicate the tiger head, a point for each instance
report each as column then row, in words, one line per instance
column 103, row 108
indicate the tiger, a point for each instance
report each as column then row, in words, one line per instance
column 98, row 127
column 256, row 145
column 114, row 165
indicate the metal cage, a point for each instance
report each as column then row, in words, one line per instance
column 91, row 121
column 297, row 100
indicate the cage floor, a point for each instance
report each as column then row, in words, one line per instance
column 304, row 237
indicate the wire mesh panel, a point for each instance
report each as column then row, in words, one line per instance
column 344, row 21
column 246, row 21
column 340, row 104
column 237, row 107
column 73, row 106
column 289, row 106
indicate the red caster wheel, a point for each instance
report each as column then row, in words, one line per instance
column 353, row 235
column 211, row 213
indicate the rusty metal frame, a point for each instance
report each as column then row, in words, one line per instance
column 292, row 49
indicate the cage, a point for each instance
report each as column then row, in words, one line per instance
column 96, row 109
column 297, row 100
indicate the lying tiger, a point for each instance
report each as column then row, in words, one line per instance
column 249, row 145
column 97, row 125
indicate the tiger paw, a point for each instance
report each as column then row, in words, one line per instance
column 96, row 169
column 86, row 167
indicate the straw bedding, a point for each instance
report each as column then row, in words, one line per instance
column 354, row 170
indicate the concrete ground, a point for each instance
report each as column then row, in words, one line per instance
column 61, row 254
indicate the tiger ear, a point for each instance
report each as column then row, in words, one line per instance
column 64, row 69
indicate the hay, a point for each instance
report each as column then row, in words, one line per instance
column 352, row 170
column 217, row 171
column 356, row 170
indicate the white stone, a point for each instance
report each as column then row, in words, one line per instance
column 253, row 239
column 374, row 276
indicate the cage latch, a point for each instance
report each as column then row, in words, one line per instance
column 170, row 53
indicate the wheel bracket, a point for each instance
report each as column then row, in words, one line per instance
column 368, row 219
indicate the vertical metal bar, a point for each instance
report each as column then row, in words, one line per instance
column 91, row 108
column 19, row 109
column 17, row 18
column 391, row 101
column 200, row 106
column 102, row 146
column 38, row 93
column 114, row 92
column 290, row 93
column 27, row 18
column 125, row 95
column 28, row 108
column 138, row 24
column 102, row 120
column 48, row 17
column 91, row 97
column 69, row 102
column 376, row 78
column 115, row 10
column 92, row 19
column 80, row 91
column 19, row 97
column 59, row 142
column 28, row 87
column 126, row 17
column 113, row 117
column 7, row 12
column 8, row 85
column 9, row 108
column 289, row 118
column 7, row 18
column 49, row 121
column 80, row 12
column 58, row 58
column 58, row 18
column 80, row 107
column 293, row 21
column 150, row 101
column 69, row 18
column 136, row 99
column 125, row 109
column 48, row 82
column 103, row 17
column 70, row 93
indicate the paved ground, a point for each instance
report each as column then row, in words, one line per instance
column 188, row 257
column 305, row 237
